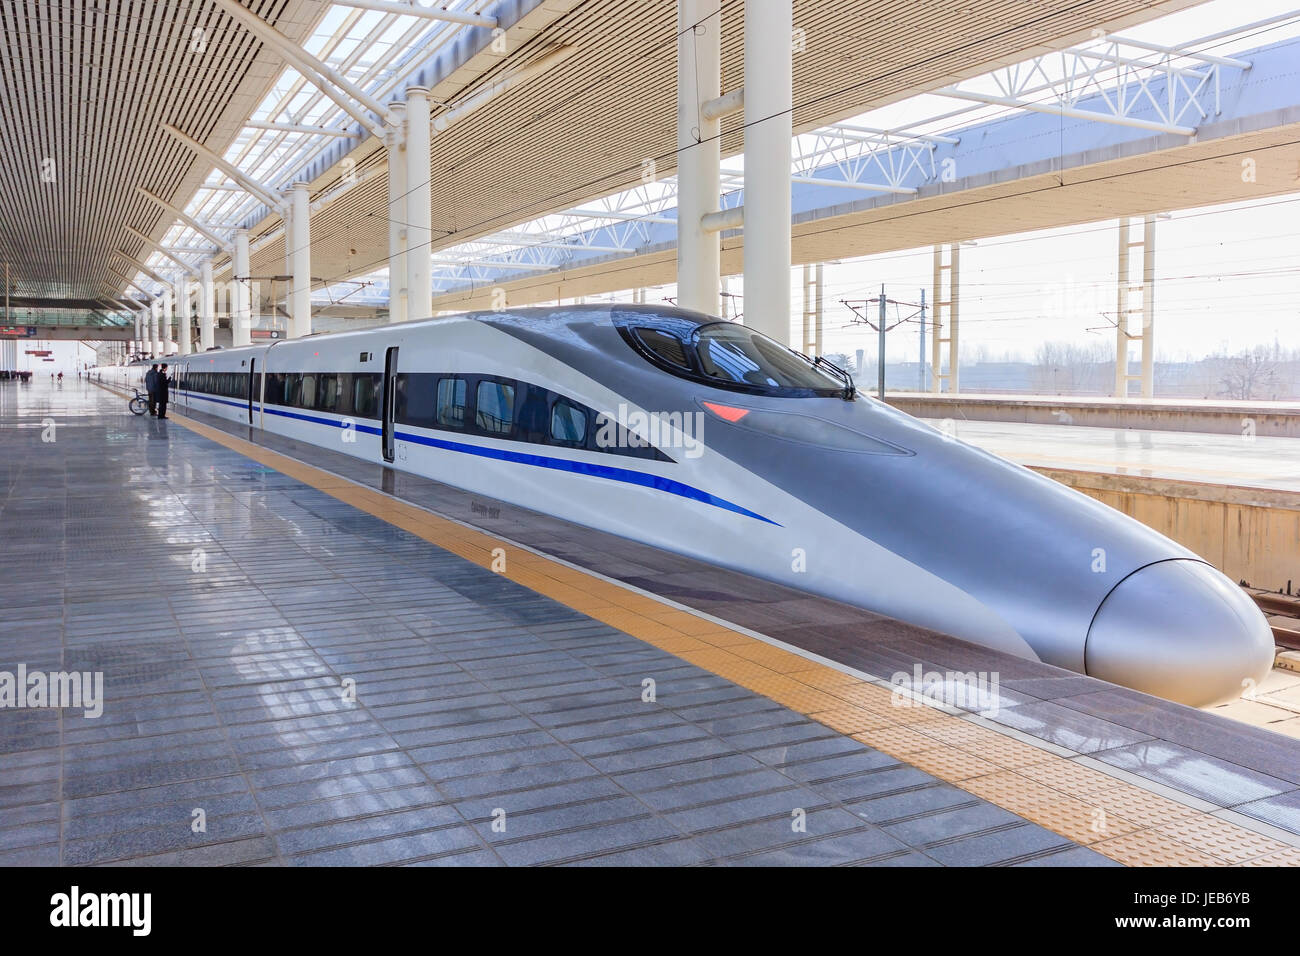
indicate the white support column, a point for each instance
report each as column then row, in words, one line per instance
column 298, row 238
column 768, row 39
column 699, row 79
column 1135, row 297
column 946, row 291
column 155, row 344
column 397, row 219
column 242, row 321
column 181, row 295
column 137, row 343
column 207, row 336
column 419, row 203
column 1148, row 307
column 812, row 309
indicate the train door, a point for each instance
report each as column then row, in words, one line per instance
column 390, row 400
column 252, row 383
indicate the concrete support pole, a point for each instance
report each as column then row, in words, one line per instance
column 768, row 97
column 699, row 78
column 155, row 345
column 813, row 277
column 419, row 204
column 299, row 237
column 166, row 316
column 137, row 344
column 207, row 336
column 946, row 297
column 1148, row 307
column 242, row 321
column 1127, row 291
column 1123, row 285
column 819, row 277
column 181, row 296
column 397, row 220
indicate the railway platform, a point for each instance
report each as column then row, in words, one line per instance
column 321, row 660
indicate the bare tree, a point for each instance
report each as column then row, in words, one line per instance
column 1251, row 374
column 843, row 360
column 1064, row 368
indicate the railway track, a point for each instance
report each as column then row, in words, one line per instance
column 1283, row 613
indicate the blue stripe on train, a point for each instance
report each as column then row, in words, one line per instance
column 588, row 468
column 608, row 472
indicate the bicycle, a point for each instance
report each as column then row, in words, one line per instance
column 138, row 405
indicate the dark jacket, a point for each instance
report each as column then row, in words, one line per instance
column 150, row 380
column 161, row 385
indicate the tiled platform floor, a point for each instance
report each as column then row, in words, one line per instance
column 228, row 604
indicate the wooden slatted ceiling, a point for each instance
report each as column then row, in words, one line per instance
column 86, row 85
column 582, row 129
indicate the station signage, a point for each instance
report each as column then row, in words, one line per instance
column 24, row 331
column 39, row 352
column 263, row 333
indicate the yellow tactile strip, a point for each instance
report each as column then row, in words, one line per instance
column 1113, row 817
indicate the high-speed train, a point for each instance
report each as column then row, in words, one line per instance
column 706, row 438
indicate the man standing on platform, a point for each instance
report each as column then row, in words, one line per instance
column 161, row 390
column 150, row 387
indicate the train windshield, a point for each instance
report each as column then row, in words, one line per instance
column 734, row 354
column 728, row 355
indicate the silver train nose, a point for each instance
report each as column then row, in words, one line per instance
column 1182, row 631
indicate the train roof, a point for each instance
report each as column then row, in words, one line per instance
column 536, row 317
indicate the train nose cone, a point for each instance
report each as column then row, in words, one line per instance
column 1182, row 631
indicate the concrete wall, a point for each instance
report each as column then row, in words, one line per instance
column 1249, row 534
column 1276, row 419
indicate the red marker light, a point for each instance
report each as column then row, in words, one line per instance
column 726, row 412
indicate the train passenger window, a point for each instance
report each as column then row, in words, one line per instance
column 495, row 407
column 274, row 388
column 415, row 399
column 568, row 423
column 532, row 413
column 307, row 398
column 328, row 391
column 668, row 347
column 451, row 402
column 292, row 388
column 365, row 395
